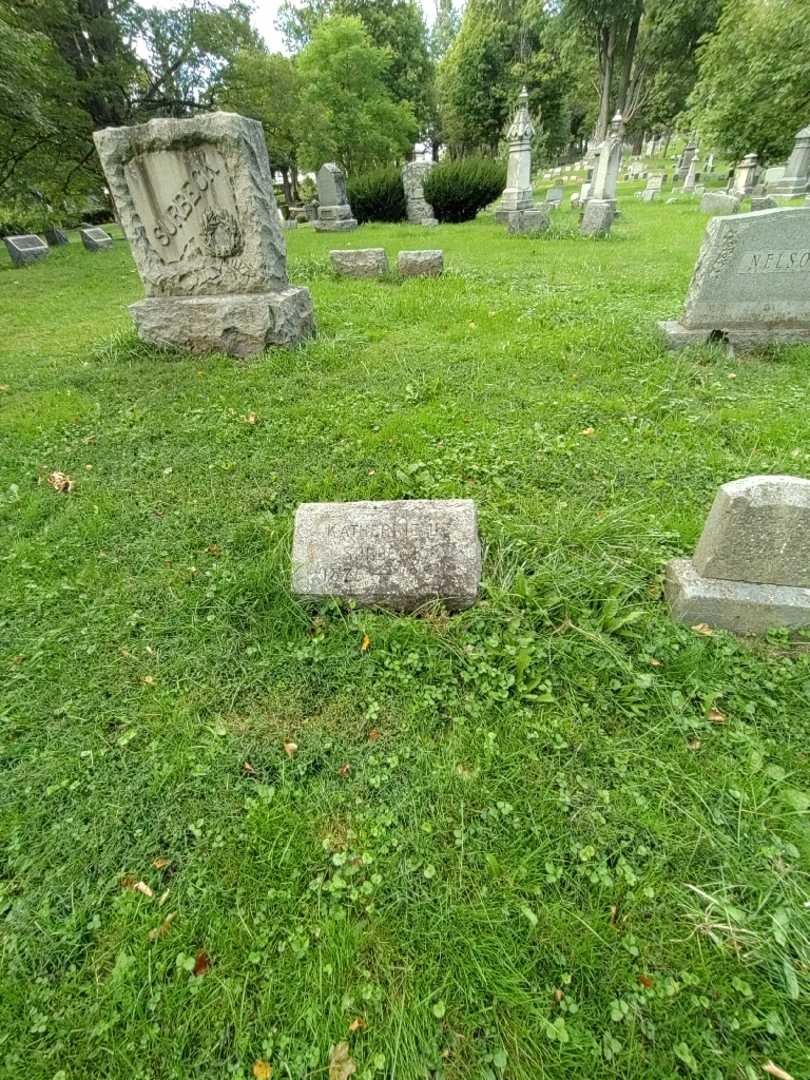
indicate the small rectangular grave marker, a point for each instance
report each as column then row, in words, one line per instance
column 96, row 239
column 398, row 555
column 25, row 249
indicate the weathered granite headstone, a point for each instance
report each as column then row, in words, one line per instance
column 419, row 211
column 554, row 196
column 686, row 159
column 773, row 176
column 709, row 164
column 529, row 222
column 196, row 201
column 763, row 202
column 751, row 284
column 334, row 212
column 796, row 177
column 751, row 568
column 360, row 263
column 719, row 202
column 745, row 175
column 691, row 177
column 601, row 206
column 397, row 555
column 517, row 194
column 56, row 237
column 95, row 238
column 427, row 263
column 26, row 249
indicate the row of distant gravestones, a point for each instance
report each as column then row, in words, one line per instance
column 30, row 248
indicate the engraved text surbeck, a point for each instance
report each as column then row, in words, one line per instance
column 186, row 203
column 785, row 261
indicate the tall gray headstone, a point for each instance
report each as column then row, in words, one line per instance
column 26, row 249
column 195, row 198
column 751, row 284
column 686, row 158
column 397, row 555
column 334, row 212
column 418, row 210
column 745, row 176
column 796, row 177
column 517, row 194
column 601, row 206
column 751, row 568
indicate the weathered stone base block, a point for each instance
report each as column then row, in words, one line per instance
column 598, row 217
column 360, row 263
column 339, row 225
column 741, row 339
column 529, row 222
column 428, row 263
column 737, row 606
column 240, row 325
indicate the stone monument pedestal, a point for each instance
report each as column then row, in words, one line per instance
column 741, row 339
column 239, row 325
column 598, row 217
column 334, row 219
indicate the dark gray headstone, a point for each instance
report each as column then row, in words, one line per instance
column 25, row 249
column 96, row 239
column 56, row 237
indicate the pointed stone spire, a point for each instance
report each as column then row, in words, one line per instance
column 517, row 194
column 521, row 129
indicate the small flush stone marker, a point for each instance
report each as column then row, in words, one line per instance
column 397, row 555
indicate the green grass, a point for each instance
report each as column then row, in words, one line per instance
column 577, row 842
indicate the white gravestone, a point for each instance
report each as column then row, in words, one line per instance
column 751, row 284
column 751, row 568
column 26, row 249
column 334, row 212
column 195, row 198
column 745, row 176
column 419, row 211
column 517, row 194
column 397, row 555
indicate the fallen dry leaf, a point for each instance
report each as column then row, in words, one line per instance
column 129, row 882
column 214, row 549
column 160, row 864
column 364, row 645
column 250, row 418
column 774, row 1070
column 558, row 996
column 60, row 481
column 374, row 735
column 645, row 981
column 149, row 680
column 201, row 964
column 704, row 629
column 588, row 431
column 345, row 769
column 163, row 929
column 358, row 1024
column 341, row 1066
column 261, row 1070
column 716, row 716
column 693, row 744
column 290, row 748
column 654, row 662
column 732, row 375
column 164, row 898
column 4, row 388
column 248, row 769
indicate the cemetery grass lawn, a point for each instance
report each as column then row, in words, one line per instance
column 554, row 836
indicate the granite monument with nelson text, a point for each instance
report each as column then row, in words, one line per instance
column 195, row 198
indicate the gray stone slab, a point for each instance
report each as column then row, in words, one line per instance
column 598, row 218
column 331, row 183
column 529, row 222
column 396, row 555
column 419, row 211
column 239, row 325
column 763, row 202
column 95, row 239
column 340, row 225
column 427, row 263
column 554, row 196
column 360, row 263
column 718, row 202
column 741, row 607
column 758, row 530
column 26, row 249
column 56, row 237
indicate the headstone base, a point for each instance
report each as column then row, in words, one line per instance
column 420, row 263
column 359, row 263
column 738, row 606
column 339, row 225
column 529, row 222
column 741, row 339
column 239, row 325
column 598, row 217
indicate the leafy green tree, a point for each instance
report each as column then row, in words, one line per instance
column 350, row 115
column 445, row 28
column 397, row 26
column 753, row 90
column 267, row 87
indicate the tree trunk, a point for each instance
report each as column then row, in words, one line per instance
column 607, row 47
column 629, row 56
column 285, row 183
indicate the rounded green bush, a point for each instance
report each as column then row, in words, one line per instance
column 457, row 190
column 377, row 195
